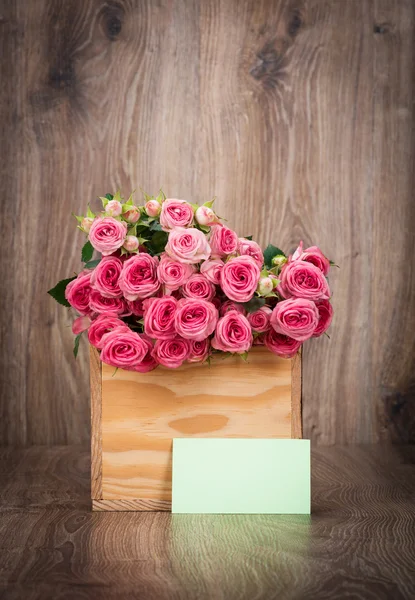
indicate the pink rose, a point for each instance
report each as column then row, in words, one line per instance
column 108, row 306
column 173, row 274
column 251, row 248
column 78, row 292
column 107, row 234
column 106, row 275
column 325, row 311
column 314, row 256
column 229, row 305
column 198, row 286
column 132, row 214
column 102, row 325
column 298, row 318
column 113, row 208
column 233, row 333
column 260, row 319
column 148, row 363
column 195, row 319
column 281, row 345
column 123, row 348
column 239, row 278
column 211, row 270
column 299, row 279
column 175, row 213
column 223, row 241
column 152, row 208
column 199, row 350
column 80, row 324
column 139, row 277
column 188, row 245
column 205, row 216
column 159, row 316
column 131, row 243
column 136, row 307
column 171, row 353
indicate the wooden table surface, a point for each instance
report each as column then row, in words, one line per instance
column 358, row 543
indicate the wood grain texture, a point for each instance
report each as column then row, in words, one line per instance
column 296, row 114
column 135, row 504
column 357, row 543
column 142, row 413
column 96, row 423
column 296, row 407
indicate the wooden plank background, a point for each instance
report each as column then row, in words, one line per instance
column 297, row 115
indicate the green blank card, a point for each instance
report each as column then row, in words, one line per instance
column 241, row 476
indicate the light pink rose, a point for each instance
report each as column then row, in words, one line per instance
column 233, row 333
column 223, row 241
column 106, row 275
column 102, row 325
column 195, row 319
column 198, row 286
column 80, row 324
column 199, row 350
column 159, row 316
column 173, row 274
column 149, row 362
column 138, row 278
column 175, row 213
column 239, row 278
column 86, row 224
column 251, row 248
column 108, row 306
column 211, row 269
column 132, row 214
column 325, row 311
column 78, row 292
column 123, row 348
column 265, row 286
column 260, row 319
column 298, row 318
column 229, row 305
column 188, row 245
column 113, row 208
column 299, row 279
column 280, row 344
column 136, row 307
column 131, row 243
column 152, row 208
column 205, row 216
column 171, row 353
column 312, row 255
column 107, row 234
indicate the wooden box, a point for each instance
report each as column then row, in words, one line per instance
column 135, row 416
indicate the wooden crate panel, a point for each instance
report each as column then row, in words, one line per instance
column 141, row 413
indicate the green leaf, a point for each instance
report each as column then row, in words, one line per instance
column 155, row 226
column 254, row 304
column 109, row 196
column 248, row 237
column 76, row 345
column 244, row 356
column 209, row 203
column 87, row 252
column 158, row 242
column 333, row 264
column 92, row 263
column 79, row 219
column 58, row 292
column 269, row 254
column 89, row 213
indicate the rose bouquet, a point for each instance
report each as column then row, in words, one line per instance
column 175, row 284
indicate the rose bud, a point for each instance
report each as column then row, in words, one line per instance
column 132, row 215
column 131, row 243
column 113, row 208
column 152, row 208
column 205, row 216
column 86, row 224
column 265, row 286
column 279, row 260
